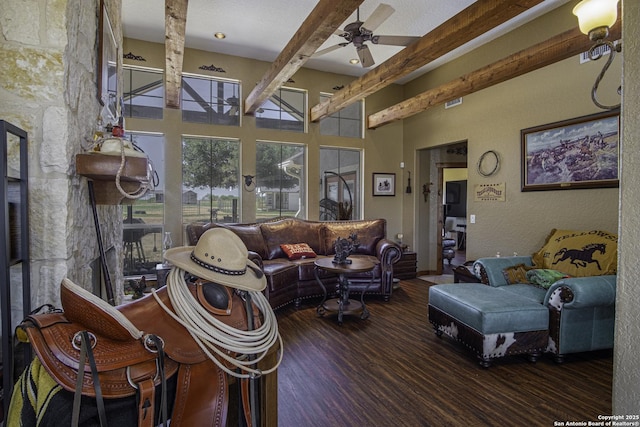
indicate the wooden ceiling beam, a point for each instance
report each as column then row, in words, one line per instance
column 477, row 19
column 321, row 23
column 558, row 48
column 175, row 23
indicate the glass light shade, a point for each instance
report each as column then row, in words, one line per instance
column 596, row 13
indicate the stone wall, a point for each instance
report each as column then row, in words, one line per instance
column 49, row 89
column 626, row 367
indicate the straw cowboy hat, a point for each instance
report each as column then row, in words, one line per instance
column 220, row 257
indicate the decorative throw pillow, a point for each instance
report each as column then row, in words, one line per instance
column 298, row 251
column 579, row 253
column 516, row 274
column 544, row 277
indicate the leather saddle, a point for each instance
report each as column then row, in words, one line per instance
column 124, row 343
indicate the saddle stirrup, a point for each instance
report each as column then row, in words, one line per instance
column 83, row 340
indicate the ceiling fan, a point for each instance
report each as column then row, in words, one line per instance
column 233, row 102
column 359, row 32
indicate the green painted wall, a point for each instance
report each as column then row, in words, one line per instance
column 491, row 119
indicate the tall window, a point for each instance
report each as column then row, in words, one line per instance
column 286, row 109
column 143, row 93
column 346, row 122
column 210, row 100
column 340, row 182
column 280, row 180
column 144, row 218
column 210, row 177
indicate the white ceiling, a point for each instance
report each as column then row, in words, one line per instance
column 260, row 29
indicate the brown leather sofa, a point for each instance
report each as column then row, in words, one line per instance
column 294, row 280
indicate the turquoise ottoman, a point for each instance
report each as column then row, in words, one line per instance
column 491, row 322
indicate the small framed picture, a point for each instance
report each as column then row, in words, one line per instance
column 384, row 184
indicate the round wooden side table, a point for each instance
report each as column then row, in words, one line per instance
column 342, row 304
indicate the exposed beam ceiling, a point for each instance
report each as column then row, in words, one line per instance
column 321, row 23
column 562, row 46
column 480, row 17
column 326, row 17
column 175, row 25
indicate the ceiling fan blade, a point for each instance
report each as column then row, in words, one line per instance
column 329, row 49
column 366, row 59
column 394, row 40
column 382, row 12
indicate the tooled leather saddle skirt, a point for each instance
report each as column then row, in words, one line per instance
column 127, row 359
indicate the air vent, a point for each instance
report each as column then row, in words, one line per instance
column 600, row 50
column 453, row 103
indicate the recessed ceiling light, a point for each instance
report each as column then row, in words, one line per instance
column 220, row 35
column 354, row 61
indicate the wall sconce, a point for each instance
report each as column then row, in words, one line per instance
column 595, row 17
column 409, row 183
column 249, row 182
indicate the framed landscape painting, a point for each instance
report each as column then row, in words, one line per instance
column 577, row 153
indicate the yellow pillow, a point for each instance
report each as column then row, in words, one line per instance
column 579, row 253
column 516, row 274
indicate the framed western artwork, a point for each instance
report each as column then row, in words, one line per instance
column 578, row 153
column 384, row 184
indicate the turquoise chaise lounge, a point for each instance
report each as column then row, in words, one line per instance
column 501, row 316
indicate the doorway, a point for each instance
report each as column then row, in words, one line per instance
column 430, row 212
column 452, row 216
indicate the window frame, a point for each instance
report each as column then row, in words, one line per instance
column 133, row 68
column 336, row 116
column 213, row 216
column 134, row 231
column 212, row 79
column 305, row 111
column 357, row 191
column 303, row 210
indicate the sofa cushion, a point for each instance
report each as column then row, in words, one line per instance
column 250, row 235
column 545, row 277
column 280, row 274
column 579, row 253
column 527, row 290
column 369, row 233
column 298, row 251
column 485, row 308
column 287, row 231
column 306, row 270
column 516, row 274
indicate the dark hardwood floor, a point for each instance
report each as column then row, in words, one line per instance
column 392, row 370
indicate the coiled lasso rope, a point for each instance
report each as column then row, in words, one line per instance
column 144, row 186
column 213, row 335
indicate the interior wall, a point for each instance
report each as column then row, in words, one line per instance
column 492, row 119
column 381, row 147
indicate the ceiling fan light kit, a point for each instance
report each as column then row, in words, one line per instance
column 358, row 33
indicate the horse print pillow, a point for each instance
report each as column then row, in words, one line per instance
column 579, row 253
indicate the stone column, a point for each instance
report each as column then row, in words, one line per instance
column 49, row 89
